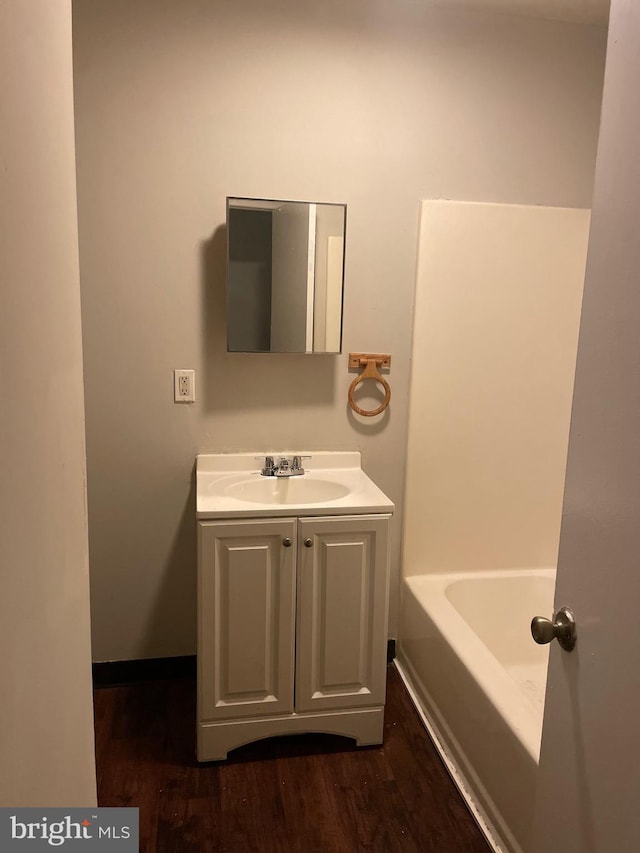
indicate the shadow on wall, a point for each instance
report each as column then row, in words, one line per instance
column 368, row 426
column 236, row 381
column 176, row 591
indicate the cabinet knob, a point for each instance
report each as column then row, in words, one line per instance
column 286, row 542
column 308, row 543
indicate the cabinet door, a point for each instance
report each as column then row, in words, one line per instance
column 246, row 617
column 343, row 588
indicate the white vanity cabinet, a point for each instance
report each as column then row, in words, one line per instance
column 292, row 628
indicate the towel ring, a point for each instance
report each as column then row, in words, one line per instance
column 371, row 362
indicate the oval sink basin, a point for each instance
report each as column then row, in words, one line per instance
column 286, row 490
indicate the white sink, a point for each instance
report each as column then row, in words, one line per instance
column 231, row 485
column 286, row 490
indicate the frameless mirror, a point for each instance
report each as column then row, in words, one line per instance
column 285, row 273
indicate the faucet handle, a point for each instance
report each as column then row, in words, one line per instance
column 269, row 467
column 295, row 464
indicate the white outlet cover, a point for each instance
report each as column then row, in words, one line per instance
column 184, row 386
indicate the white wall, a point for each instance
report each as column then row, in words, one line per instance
column 46, row 712
column 374, row 104
column 498, row 296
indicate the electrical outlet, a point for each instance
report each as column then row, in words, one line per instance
column 184, row 386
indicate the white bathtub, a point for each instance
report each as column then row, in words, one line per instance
column 466, row 653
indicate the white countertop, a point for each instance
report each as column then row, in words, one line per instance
column 230, row 485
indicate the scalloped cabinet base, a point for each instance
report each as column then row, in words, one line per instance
column 216, row 739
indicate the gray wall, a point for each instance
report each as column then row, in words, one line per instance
column 589, row 774
column 376, row 105
column 46, row 710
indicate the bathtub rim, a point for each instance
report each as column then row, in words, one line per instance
column 488, row 676
column 485, row 669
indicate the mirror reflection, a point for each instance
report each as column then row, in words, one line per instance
column 285, row 273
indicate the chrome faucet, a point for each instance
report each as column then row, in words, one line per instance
column 284, row 467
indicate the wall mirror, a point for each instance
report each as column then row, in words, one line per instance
column 285, row 274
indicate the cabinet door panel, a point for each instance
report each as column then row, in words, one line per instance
column 342, row 612
column 246, row 618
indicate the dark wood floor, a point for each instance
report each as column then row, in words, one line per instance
column 303, row 794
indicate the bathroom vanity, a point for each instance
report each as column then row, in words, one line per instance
column 293, row 586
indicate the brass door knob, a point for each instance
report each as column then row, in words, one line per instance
column 308, row 543
column 286, row 542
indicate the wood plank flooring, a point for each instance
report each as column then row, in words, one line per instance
column 302, row 794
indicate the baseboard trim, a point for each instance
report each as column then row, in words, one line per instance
column 391, row 651
column 114, row 672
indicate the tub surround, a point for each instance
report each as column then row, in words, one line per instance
column 498, row 296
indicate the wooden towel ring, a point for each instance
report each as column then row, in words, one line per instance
column 371, row 362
